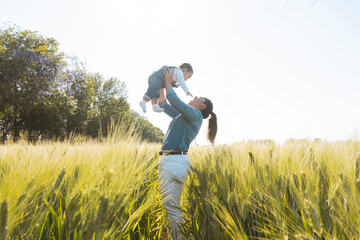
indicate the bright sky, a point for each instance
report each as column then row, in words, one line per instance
column 273, row 69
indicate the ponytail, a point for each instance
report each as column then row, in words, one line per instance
column 212, row 126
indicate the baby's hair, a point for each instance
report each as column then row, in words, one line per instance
column 187, row 66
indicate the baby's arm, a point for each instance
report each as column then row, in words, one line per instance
column 179, row 77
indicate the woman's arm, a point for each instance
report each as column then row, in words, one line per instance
column 168, row 109
column 185, row 110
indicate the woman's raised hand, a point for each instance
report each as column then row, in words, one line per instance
column 168, row 74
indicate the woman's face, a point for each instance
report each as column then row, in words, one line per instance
column 198, row 103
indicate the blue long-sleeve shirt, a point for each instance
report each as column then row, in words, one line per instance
column 185, row 125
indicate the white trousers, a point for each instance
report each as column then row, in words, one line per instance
column 173, row 170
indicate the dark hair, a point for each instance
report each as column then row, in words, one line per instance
column 212, row 126
column 187, row 66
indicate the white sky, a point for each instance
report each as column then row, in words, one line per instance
column 273, row 69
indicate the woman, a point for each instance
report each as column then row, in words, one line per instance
column 174, row 162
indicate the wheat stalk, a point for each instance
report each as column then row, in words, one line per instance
column 3, row 219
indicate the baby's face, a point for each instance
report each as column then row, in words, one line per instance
column 187, row 74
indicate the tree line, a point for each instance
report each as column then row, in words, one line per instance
column 45, row 94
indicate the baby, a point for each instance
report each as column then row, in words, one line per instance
column 157, row 81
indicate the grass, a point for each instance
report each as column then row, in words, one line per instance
column 109, row 190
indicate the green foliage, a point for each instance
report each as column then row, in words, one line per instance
column 46, row 95
column 109, row 105
column 47, row 119
column 147, row 130
column 28, row 65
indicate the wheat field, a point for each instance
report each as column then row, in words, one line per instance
column 83, row 189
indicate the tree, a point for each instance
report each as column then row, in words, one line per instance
column 47, row 119
column 111, row 107
column 44, row 94
column 29, row 64
column 110, row 104
column 147, row 130
column 81, row 86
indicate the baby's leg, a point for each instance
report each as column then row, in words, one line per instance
column 156, row 107
column 153, row 101
column 154, row 86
